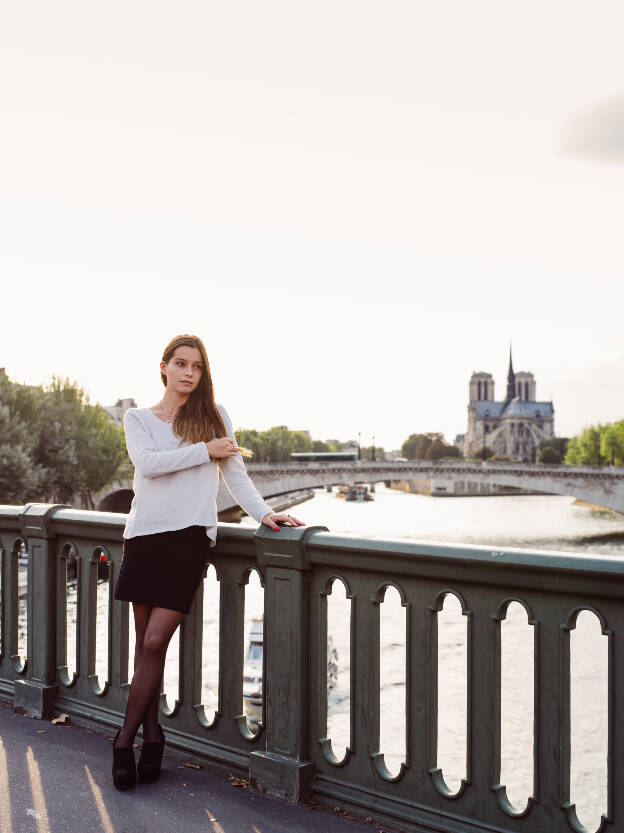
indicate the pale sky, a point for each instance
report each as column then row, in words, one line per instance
column 354, row 204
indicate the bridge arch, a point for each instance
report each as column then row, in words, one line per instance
column 604, row 487
column 117, row 501
column 601, row 485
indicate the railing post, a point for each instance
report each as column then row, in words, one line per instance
column 284, row 768
column 37, row 693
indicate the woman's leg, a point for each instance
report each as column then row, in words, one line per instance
column 161, row 626
column 150, row 718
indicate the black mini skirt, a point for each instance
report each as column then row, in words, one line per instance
column 163, row 569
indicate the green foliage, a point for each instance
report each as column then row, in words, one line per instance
column 54, row 445
column 595, row 445
column 319, row 446
column 612, row 439
column 277, row 444
column 367, row 453
column 20, row 475
column 553, row 450
column 548, row 454
column 334, row 445
column 429, row 446
column 101, row 449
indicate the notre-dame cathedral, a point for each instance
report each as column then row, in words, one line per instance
column 513, row 428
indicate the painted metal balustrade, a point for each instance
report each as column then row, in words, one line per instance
column 291, row 755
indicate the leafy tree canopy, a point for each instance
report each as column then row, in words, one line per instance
column 431, row 446
column 553, row 450
column 55, row 445
column 596, row 445
column 276, row 444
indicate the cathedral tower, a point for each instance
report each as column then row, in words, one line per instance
column 513, row 428
column 481, row 387
column 511, row 380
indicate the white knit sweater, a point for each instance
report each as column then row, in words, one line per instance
column 175, row 483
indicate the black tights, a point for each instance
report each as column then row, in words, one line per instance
column 154, row 628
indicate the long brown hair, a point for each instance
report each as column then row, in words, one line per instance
column 198, row 420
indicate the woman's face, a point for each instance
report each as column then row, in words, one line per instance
column 183, row 370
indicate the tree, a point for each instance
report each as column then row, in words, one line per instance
column 274, row 445
column 429, row 446
column 415, row 447
column 367, row 452
column 334, row 445
column 57, row 449
column 319, row 446
column 612, row 443
column 548, row 454
column 277, row 443
column 437, row 449
column 252, row 439
column 100, row 451
column 300, row 442
column 20, row 475
column 57, row 444
column 584, row 449
column 553, row 450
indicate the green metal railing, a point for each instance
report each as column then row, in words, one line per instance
column 290, row 755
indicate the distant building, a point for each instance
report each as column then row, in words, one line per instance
column 460, row 442
column 116, row 412
column 514, row 427
column 395, row 454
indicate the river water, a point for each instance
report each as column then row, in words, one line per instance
column 546, row 522
column 536, row 522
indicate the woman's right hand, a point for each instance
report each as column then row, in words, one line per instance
column 221, row 447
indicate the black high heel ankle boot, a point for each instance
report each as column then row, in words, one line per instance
column 124, row 767
column 148, row 768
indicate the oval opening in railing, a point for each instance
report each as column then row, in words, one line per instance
column 210, row 643
column 100, row 572
column 452, row 710
column 171, row 676
column 589, row 669
column 517, row 714
column 338, row 673
column 253, row 665
column 68, row 574
column 21, row 556
column 392, row 677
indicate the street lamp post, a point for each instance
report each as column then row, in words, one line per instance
column 373, row 454
column 359, row 446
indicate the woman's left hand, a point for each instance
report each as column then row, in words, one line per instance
column 272, row 518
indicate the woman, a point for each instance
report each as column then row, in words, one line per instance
column 178, row 447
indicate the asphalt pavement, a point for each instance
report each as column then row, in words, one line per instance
column 57, row 779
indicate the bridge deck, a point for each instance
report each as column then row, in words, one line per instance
column 56, row 779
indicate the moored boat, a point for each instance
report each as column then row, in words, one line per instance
column 353, row 491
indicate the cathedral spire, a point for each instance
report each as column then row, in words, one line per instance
column 511, row 379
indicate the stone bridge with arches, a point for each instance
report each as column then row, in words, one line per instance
column 602, row 485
